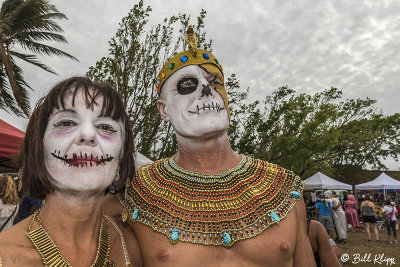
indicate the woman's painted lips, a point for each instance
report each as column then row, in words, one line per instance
column 83, row 159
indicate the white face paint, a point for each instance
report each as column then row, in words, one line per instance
column 192, row 110
column 81, row 148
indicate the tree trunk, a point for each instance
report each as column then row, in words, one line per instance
column 10, row 74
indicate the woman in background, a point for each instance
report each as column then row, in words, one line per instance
column 351, row 207
column 390, row 220
column 368, row 213
column 8, row 202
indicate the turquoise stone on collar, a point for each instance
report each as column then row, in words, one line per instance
column 226, row 238
column 174, row 235
column 274, row 216
column 135, row 214
column 295, row 194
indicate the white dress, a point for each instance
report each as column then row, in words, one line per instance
column 5, row 211
column 339, row 217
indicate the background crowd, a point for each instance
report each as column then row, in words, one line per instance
column 355, row 213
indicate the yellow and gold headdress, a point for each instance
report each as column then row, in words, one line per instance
column 193, row 56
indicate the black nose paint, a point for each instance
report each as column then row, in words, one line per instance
column 206, row 90
column 187, row 86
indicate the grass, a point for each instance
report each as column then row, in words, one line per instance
column 362, row 253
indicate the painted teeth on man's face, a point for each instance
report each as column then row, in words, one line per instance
column 82, row 160
column 212, row 106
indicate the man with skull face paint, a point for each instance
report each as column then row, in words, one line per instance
column 207, row 205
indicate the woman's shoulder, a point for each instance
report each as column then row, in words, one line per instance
column 15, row 235
column 16, row 248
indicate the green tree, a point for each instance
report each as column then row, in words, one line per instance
column 136, row 54
column 321, row 132
column 25, row 24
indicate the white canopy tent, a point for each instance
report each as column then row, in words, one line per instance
column 383, row 181
column 321, row 181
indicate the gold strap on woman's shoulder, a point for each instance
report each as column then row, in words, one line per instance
column 121, row 235
column 0, row 262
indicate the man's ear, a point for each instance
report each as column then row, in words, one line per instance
column 162, row 108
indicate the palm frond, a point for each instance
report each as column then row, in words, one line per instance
column 34, row 15
column 7, row 101
column 33, row 60
column 43, row 49
column 40, row 36
column 22, row 96
column 27, row 23
column 38, row 25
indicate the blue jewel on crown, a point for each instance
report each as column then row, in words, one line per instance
column 206, row 56
column 184, row 58
column 274, row 216
column 135, row 214
column 174, row 235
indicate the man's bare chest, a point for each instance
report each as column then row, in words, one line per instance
column 275, row 246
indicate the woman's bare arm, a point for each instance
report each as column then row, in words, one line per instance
column 325, row 250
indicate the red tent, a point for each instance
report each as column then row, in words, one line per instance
column 10, row 142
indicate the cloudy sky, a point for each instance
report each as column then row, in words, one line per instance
column 308, row 45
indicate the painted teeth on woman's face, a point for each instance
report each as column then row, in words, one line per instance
column 215, row 106
column 82, row 160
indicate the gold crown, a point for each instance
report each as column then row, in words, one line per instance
column 193, row 56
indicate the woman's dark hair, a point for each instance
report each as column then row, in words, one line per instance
column 367, row 197
column 388, row 202
column 37, row 182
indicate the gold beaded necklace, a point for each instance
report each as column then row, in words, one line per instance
column 50, row 253
column 211, row 209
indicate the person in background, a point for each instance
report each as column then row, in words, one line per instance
column 390, row 212
column 351, row 207
column 27, row 208
column 326, row 252
column 339, row 217
column 368, row 214
column 379, row 213
column 8, row 202
column 323, row 214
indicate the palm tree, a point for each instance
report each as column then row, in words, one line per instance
column 25, row 24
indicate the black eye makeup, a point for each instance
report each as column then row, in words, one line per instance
column 64, row 124
column 107, row 128
column 187, row 86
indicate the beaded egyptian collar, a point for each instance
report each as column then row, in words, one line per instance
column 218, row 209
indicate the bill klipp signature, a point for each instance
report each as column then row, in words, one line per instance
column 378, row 258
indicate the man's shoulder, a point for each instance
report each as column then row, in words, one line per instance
column 151, row 165
column 273, row 168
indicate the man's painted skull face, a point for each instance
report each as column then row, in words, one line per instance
column 192, row 102
column 81, row 147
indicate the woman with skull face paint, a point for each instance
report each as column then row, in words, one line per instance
column 78, row 142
